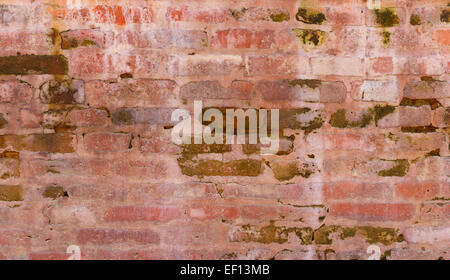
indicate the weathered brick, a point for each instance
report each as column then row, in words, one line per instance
column 15, row 92
column 130, row 93
column 378, row 91
column 62, row 92
column 354, row 190
column 243, row 39
column 100, row 142
column 213, row 212
column 427, row 234
column 164, row 38
column 185, row 13
column 205, row 65
column 86, row 37
column 108, row 236
column 344, row 66
column 214, row 90
column 88, row 118
column 266, row 65
column 153, row 213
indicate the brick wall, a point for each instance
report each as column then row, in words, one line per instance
column 86, row 93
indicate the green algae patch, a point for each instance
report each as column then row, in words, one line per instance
column 386, row 17
column 386, row 35
column 400, row 169
column 288, row 119
column 432, row 102
column 312, row 37
column 415, row 20
column 280, row 17
column 310, row 16
column 445, row 15
column 382, row 111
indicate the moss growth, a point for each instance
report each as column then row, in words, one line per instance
column 382, row 111
column 236, row 14
column 279, row 17
column 311, row 83
column 285, row 171
column 419, row 129
column 201, row 168
column 288, row 119
column 339, row 119
column 400, row 168
column 126, row 76
column 54, row 192
column 445, row 15
column 372, row 235
column 310, row 16
column 190, row 151
column 434, row 153
column 11, row 193
column 386, row 17
column 276, row 234
column 386, row 37
column 432, row 102
column 87, row 42
column 310, row 36
column 3, row 121
column 34, row 64
column 415, row 20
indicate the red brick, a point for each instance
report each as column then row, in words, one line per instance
column 415, row 190
column 151, row 213
column 108, row 236
column 164, row 38
column 382, row 65
column 186, row 13
column 373, row 211
column 122, row 15
column 141, row 169
column 443, row 37
column 100, row 142
column 243, row 39
column 213, row 212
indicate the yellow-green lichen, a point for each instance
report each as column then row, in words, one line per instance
column 312, row 37
column 372, row 235
column 275, row 234
column 400, row 169
column 200, row 168
column 279, row 17
column 415, row 20
column 54, row 192
column 386, row 35
column 386, row 17
column 310, row 16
